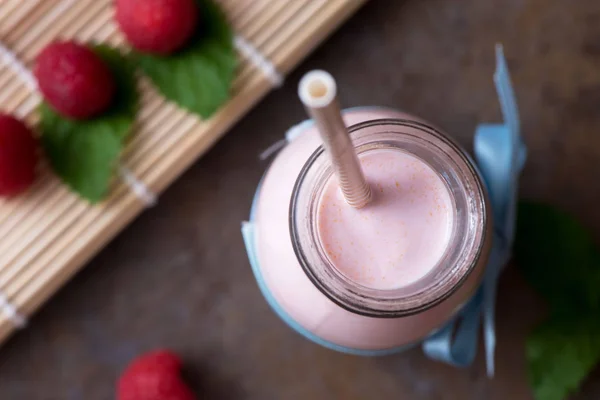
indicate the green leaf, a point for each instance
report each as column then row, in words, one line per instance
column 558, row 258
column 561, row 352
column 199, row 76
column 84, row 153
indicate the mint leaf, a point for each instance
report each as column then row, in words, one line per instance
column 558, row 258
column 561, row 352
column 199, row 76
column 84, row 153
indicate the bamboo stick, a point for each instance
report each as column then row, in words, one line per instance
column 12, row 11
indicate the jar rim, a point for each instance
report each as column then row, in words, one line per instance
column 448, row 278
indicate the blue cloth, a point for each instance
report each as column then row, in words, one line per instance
column 500, row 155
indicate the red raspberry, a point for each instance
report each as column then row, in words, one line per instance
column 154, row 376
column 157, row 26
column 74, row 80
column 18, row 156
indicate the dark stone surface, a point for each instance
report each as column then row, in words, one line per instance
column 178, row 276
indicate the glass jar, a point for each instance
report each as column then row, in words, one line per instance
column 302, row 284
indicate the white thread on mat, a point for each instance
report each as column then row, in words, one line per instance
column 11, row 312
column 138, row 187
column 10, row 59
column 258, row 59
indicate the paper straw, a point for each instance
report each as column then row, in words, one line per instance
column 318, row 93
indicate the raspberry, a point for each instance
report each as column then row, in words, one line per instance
column 74, row 80
column 154, row 376
column 157, row 26
column 18, row 156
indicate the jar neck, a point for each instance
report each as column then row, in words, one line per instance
column 465, row 244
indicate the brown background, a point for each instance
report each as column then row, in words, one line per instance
column 178, row 277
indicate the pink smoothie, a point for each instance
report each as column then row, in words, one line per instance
column 401, row 235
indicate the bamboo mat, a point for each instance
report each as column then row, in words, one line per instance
column 48, row 234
